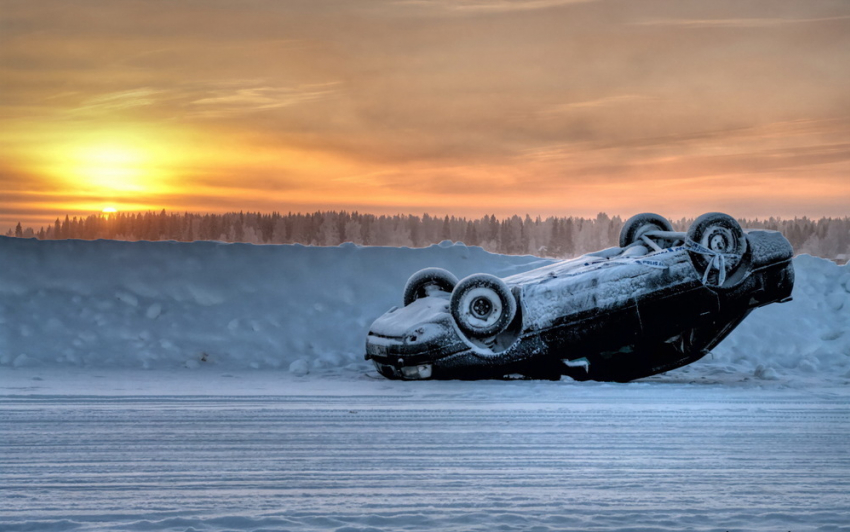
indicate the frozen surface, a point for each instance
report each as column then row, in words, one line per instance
column 181, row 450
column 208, row 387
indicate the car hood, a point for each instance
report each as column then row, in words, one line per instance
column 398, row 322
column 421, row 332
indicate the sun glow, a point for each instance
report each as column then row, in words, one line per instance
column 122, row 167
column 110, row 168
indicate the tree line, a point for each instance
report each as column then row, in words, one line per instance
column 550, row 237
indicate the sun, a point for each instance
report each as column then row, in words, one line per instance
column 110, row 167
column 117, row 165
column 90, row 168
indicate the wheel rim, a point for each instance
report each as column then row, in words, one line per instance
column 481, row 308
column 719, row 239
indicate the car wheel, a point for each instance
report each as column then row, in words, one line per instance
column 640, row 224
column 482, row 305
column 716, row 243
column 423, row 282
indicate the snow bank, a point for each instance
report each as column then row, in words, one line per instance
column 168, row 304
column 807, row 336
column 307, row 309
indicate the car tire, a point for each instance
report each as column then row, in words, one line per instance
column 482, row 305
column 718, row 233
column 420, row 283
column 640, row 224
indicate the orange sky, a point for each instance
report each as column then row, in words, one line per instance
column 550, row 107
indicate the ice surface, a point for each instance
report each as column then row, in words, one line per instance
column 93, row 450
column 107, row 304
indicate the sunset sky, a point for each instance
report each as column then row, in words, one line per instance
column 549, row 107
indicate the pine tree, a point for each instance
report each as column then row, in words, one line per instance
column 239, row 228
column 414, row 226
column 554, row 247
column 567, row 245
column 446, row 233
column 471, row 236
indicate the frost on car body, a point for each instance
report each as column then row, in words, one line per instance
column 657, row 302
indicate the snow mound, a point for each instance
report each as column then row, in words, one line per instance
column 169, row 304
column 307, row 309
column 807, row 336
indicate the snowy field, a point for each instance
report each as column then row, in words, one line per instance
column 210, row 387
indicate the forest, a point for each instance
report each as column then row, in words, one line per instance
column 558, row 237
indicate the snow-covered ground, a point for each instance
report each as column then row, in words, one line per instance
column 173, row 305
column 204, row 386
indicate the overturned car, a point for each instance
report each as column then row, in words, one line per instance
column 659, row 301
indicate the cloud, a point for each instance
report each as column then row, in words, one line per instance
column 222, row 102
column 766, row 147
column 754, row 22
column 598, row 103
column 119, row 100
column 489, row 6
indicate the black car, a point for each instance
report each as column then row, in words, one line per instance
column 659, row 301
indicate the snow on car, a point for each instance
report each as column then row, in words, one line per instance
column 660, row 300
